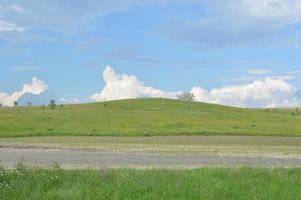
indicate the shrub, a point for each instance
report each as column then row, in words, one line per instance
column 52, row 104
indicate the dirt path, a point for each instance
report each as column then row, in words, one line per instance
column 166, row 144
column 97, row 159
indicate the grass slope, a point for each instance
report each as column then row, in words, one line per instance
column 205, row 183
column 146, row 117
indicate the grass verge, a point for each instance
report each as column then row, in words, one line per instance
column 286, row 146
column 204, row 183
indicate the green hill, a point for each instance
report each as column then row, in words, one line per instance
column 146, row 117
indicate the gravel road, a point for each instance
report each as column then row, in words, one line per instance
column 82, row 159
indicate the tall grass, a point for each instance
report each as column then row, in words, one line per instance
column 205, row 183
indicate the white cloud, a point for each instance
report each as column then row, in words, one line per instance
column 21, row 21
column 126, row 87
column 64, row 16
column 14, row 7
column 268, row 92
column 255, row 71
column 6, row 26
column 233, row 22
column 36, row 87
column 17, row 8
column 240, row 79
column 278, row 12
column 69, row 101
column 26, row 67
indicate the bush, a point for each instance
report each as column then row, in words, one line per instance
column 52, row 104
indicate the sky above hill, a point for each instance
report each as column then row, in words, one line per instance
column 235, row 52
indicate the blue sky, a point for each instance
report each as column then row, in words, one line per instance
column 169, row 45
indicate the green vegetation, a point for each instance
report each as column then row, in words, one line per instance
column 205, row 183
column 52, row 104
column 146, row 117
column 286, row 146
column 285, row 111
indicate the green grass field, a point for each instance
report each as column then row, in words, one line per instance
column 147, row 117
column 205, row 183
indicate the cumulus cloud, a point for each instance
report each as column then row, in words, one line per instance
column 269, row 92
column 126, row 87
column 36, row 87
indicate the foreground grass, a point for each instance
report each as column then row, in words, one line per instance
column 205, row 183
column 146, row 117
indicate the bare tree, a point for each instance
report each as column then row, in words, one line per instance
column 186, row 96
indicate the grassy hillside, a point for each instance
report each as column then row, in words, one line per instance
column 146, row 117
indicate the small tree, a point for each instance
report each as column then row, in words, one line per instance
column 52, row 104
column 29, row 104
column 15, row 103
column 43, row 107
column 0, row 105
column 185, row 96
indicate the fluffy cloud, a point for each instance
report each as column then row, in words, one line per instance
column 232, row 22
column 126, row 87
column 269, row 92
column 36, row 87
